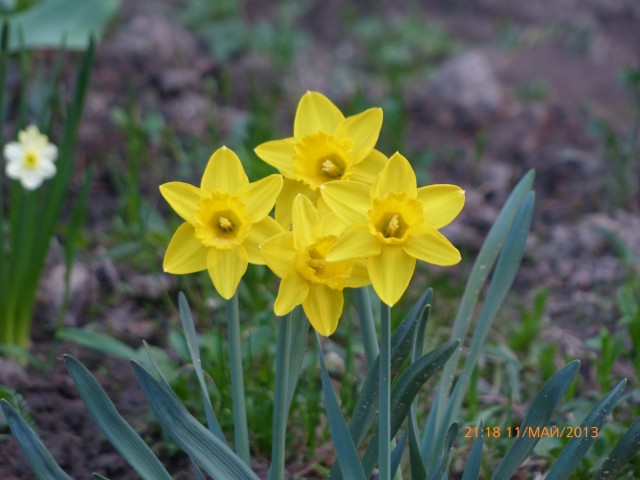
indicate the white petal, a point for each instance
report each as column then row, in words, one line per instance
column 13, row 151
column 50, row 152
column 31, row 179
column 14, row 169
column 46, row 168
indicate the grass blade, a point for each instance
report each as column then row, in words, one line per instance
column 194, row 351
column 578, row 446
column 404, row 391
column 207, row 450
column 537, row 417
column 123, row 438
column 344, row 446
column 627, row 447
column 292, row 335
column 478, row 276
column 472, row 472
column 42, row 464
column 505, row 272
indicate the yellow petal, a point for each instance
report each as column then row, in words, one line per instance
column 323, row 308
column 284, row 203
column 306, row 222
column 348, row 200
column 279, row 154
column 292, row 292
column 368, row 170
column 185, row 253
column 183, row 198
column 363, row 129
column 441, row 204
column 359, row 276
column 391, row 272
column 279, row 253
column 316, row 113
column 396, row 176
column 260, row 197
column 224, row 172
column 355, row 242
column 432, row 247
column 260, row 232
column 331, row 223
column 226, row 268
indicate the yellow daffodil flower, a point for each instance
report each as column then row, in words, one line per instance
column 226, row 219
column 392, row 224
column 298, row 257
column 325, row 147
column 31, row 159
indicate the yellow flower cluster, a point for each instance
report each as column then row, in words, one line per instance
column 345, row 216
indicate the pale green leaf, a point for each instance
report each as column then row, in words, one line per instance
column 42, row 464
column 537, row 417
column 208, row 451
column 123, row 438
column 52, row 23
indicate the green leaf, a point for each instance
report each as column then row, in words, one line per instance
column 624, row 451
column 292, row 336
column 404, row 391
column 442, row 472
column 505, row 272
column 50, row 23
column 194, row 351
column 402, row 340
column 577, row 447
column 123, row 438
column 213, row 455
column 42, row 464
column 484, row 263
column 99, row 342
column 472, row 471
column 537, row 416
column 342, row 441
column 396, row 455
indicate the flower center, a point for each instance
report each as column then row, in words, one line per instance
column 321, row 158
column 313, row 266
column 316, row 261
column 30, row 159
column 225, row 224
column 392, row 225
column 392, row 228
column 331, row 170
column 392, row 217
column 221, row 221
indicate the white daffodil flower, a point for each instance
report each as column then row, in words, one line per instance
column 30, row 159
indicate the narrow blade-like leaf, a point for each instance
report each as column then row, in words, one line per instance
column 405, row 390
column 344, row 446
column 577, row 447
column 123, row 438
column 627, row 447
column 472, row 470
column 42, row 464
column 537, row 417
column 214, row 456
column 194, row 351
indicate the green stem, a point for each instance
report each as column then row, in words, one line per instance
column 384, row 422
column 281, row 403
column 241, row 432
column 367, row 325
